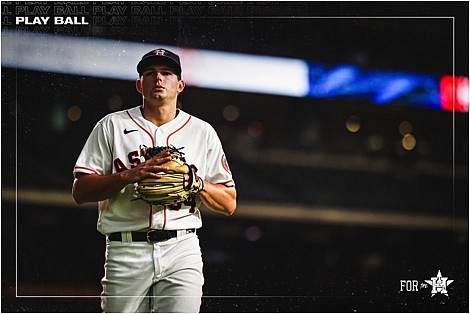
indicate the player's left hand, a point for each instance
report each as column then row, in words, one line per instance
column 176, row 185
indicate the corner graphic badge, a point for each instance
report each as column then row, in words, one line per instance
column 439, row 284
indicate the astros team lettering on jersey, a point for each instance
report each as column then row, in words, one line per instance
column 114, row 146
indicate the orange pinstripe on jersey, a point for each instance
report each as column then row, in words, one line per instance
column 168, row 138
column 226, row 182
column 85, row 168
column 164, row 218
column 223, row 160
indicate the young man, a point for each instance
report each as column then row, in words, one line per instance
column 153, row 257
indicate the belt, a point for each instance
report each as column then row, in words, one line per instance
column 152, row 235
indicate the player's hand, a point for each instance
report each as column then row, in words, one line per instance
column 149, row 168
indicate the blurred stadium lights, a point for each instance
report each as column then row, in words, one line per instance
column 459, row 87
column 333, row 82
column 394, row 89
column 234, row 71
column 118, row 59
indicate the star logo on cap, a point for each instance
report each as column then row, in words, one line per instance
column 160, row 52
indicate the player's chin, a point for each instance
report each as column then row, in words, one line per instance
column 159, row 96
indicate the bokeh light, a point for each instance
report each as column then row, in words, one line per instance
column 374, row 143
column 115, row 102
column 408, row 142
column 405, row 127
column 253, row 233
column 231, row 113
column 74, row 113
column 353, row 124
column 58, row 118
column 255, row 129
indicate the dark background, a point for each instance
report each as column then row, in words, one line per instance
column 262, row 263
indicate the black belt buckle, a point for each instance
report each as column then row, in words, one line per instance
column 158, row 236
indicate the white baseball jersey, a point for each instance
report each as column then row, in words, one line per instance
column 114, row 146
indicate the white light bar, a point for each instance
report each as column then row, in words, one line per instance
column 243, row 72
column 116, row 59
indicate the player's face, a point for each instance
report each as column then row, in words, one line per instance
column 160, row 83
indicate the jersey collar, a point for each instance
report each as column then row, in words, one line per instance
column 168, row 127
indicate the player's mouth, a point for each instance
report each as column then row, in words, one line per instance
column 158, row 88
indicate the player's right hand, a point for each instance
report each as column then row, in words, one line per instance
column 150, row 168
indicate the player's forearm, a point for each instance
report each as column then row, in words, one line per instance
column 94, row 188
column 219, row 198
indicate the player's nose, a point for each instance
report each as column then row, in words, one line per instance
column 158, row 76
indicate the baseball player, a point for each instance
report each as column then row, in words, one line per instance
column 153, row 258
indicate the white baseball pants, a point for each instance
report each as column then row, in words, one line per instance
column 159, row 277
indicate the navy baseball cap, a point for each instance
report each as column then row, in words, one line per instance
column 160, row 56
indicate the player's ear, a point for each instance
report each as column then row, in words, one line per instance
column 181, row 85
column 138, row 86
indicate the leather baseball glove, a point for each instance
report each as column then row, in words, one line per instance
column 177, row 185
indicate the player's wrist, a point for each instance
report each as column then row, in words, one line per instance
column 125, row 177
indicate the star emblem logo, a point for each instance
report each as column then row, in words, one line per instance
column 439, row 284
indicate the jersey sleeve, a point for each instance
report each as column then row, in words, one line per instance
column 218, row 171
column 96, row 155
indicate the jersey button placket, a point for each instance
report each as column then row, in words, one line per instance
column 159, row 137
